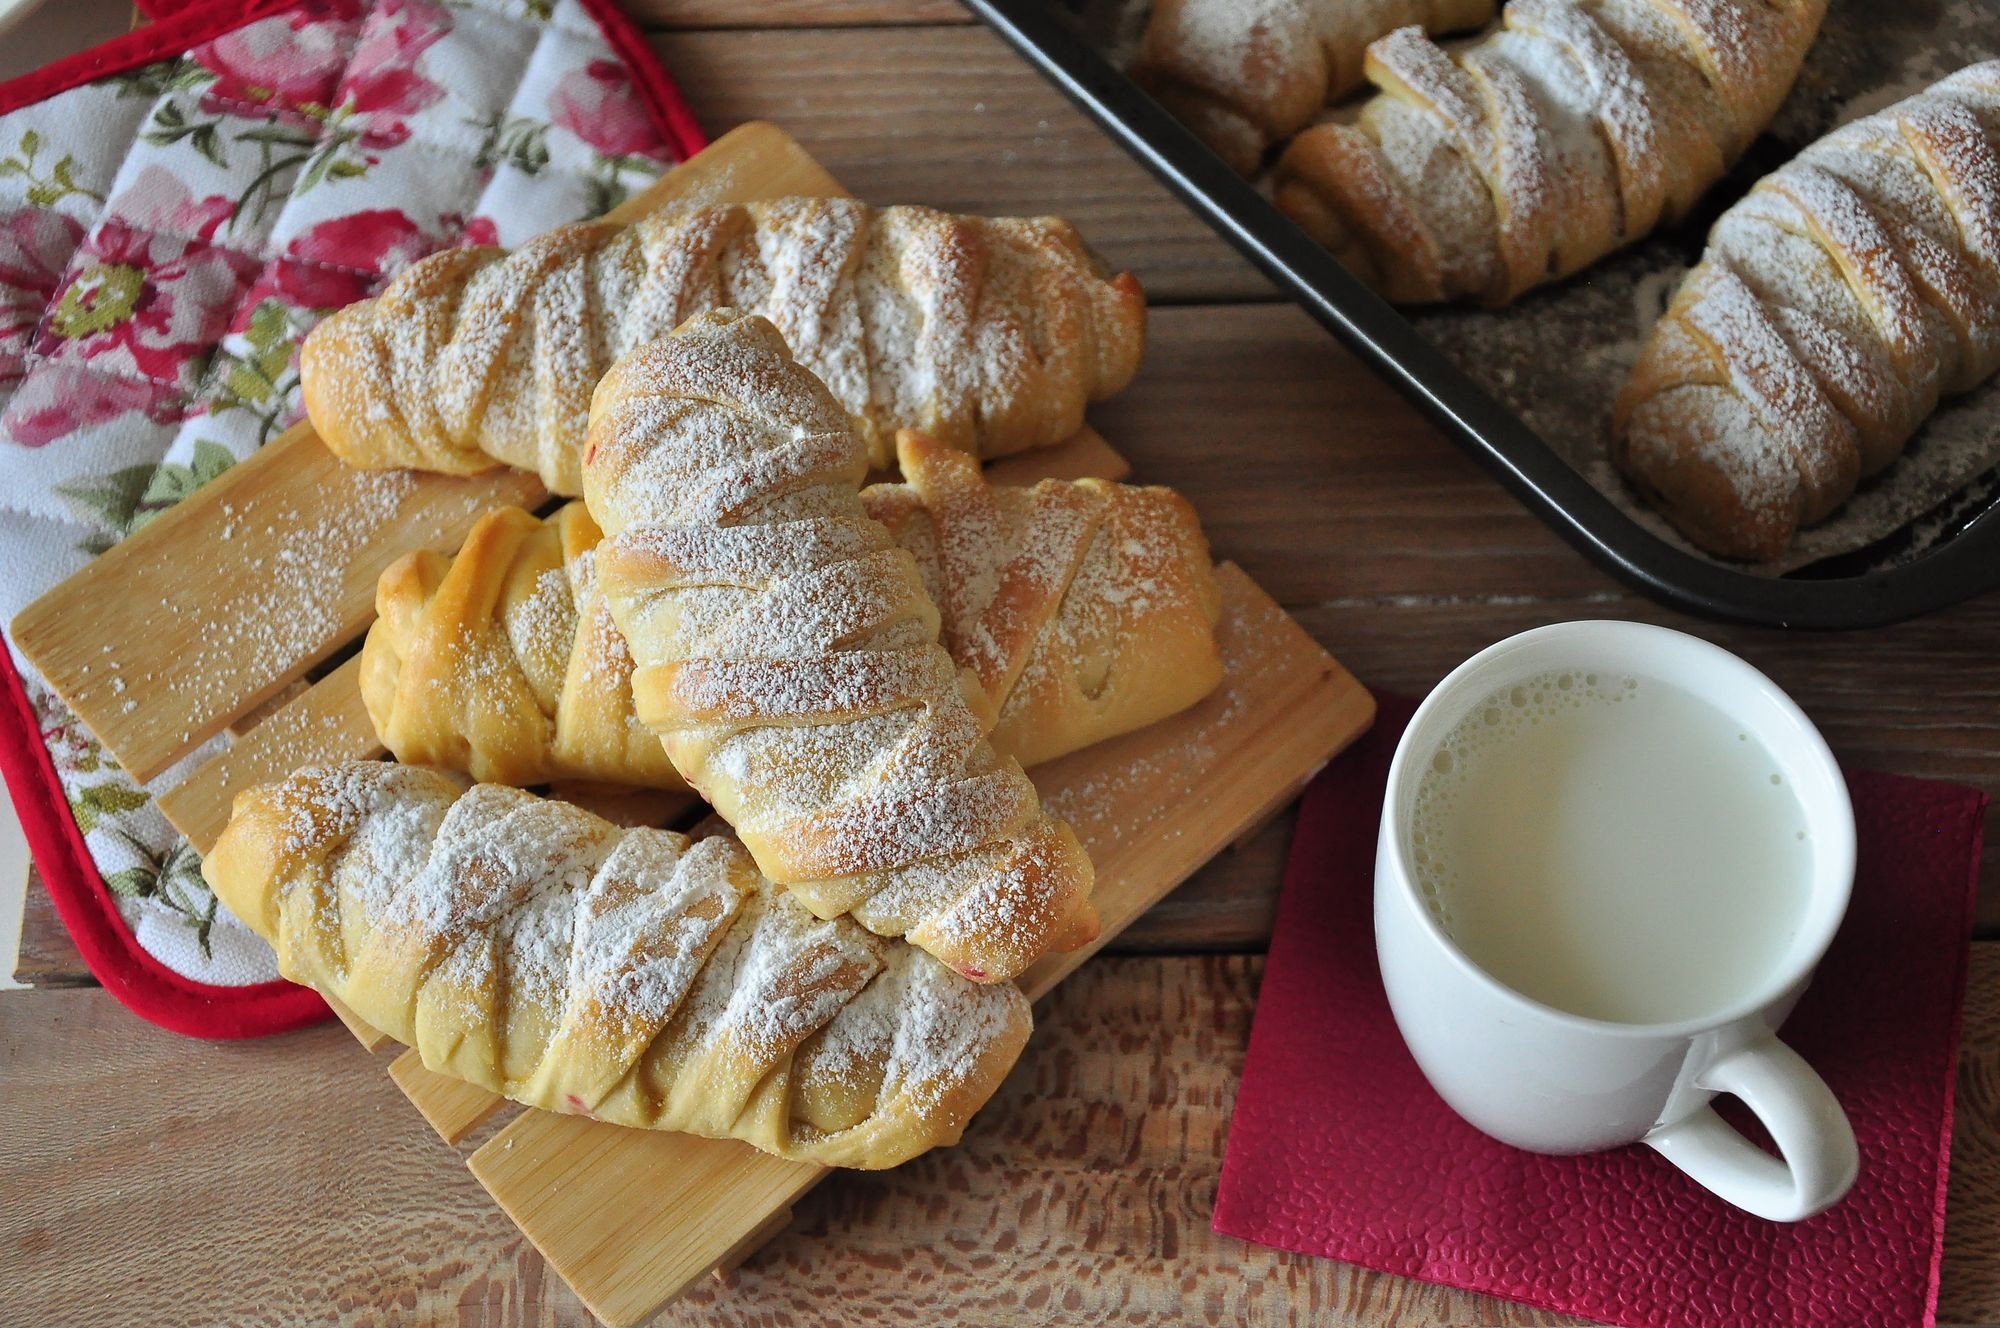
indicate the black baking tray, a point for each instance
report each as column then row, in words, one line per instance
column 1852, row 590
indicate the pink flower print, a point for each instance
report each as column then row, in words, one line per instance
column 289, row 62
column 158, row 200
column 35, row 247
column 598, row 105
column 145, row 303
column 480, row 231
column 340, row 261
column 383, row 80
column 57, row 400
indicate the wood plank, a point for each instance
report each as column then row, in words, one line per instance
column 1317, row 477
column 327, row 722
column 453, row 1107
column 371, row 1038
column 1284, row 707
column 231, row 595
column 1081, row 1194
column 793, row 13
column 217, row 604
column 47, row 956
column 951, row 117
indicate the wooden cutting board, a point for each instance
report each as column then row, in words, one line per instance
column 212, row 616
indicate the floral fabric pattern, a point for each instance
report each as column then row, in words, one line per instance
column 169, row 235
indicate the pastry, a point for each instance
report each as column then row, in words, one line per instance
column 1573, row 129
column 1244, row 74
column 787, row 654
column 989, row 333
column 632, row 976
column 1836, row 303
column 1086, row 610
column 503, row 662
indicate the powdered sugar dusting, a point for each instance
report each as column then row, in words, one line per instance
column 990, row 332
column 758, row 631
column 584, row 955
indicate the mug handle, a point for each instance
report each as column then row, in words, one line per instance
column 1799, row 1110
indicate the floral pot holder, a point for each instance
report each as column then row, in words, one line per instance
column 177, row 209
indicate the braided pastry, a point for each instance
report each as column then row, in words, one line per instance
column 537, row 951
column 1246, row 75
column 1572, row 130
column 502, row 661
column 788, row 657
column 989, row 333
column 1836, row 303
column 1086, row 609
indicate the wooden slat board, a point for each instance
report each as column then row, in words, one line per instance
column 1149, row 807
column 628, row 1218
column 229, row 596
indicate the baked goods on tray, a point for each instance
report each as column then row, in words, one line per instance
column 1836, row 303
column 1244, row 74
column 533, row 949
column 787, row 653
column 988, row 333
column 1086, row 609
column 1569, row 131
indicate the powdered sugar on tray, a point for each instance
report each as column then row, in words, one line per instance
column 1558, row 357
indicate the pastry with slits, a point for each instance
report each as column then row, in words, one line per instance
column 1836, row 304
column 1573, row 129
column 787, row 653
column 1244, row 74
column 989, row 333
column 630, row 975
column 1086, row 609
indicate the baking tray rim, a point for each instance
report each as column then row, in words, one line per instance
column 1966, row 564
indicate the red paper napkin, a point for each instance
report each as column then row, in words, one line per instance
column 1340, row 1148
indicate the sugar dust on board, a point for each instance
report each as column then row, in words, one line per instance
column 1612, row 846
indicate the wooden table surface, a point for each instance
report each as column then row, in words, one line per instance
column 146, row 1178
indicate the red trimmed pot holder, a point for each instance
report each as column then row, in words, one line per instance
column 178, row 207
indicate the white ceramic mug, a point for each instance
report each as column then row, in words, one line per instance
column 1554, row 1082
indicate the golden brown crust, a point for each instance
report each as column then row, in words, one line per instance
column 1525, row 156
column 1836, row 304
column 634, row 976
column 502, row 661
column 991, row 333
column 788, row 657
column 1244, row 74
column 1085, row 609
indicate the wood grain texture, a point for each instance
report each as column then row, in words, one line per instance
column 793, row 13
column 633, row 1219
column 1081, row 1194
column 223, row 600
column 952, row 118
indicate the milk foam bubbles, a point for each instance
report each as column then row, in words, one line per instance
column 1613, row 846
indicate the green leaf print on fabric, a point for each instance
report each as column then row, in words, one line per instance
column 125, row 500
column 171, row 125
column 95, row 802
column 50, row 188
column 258, row 376
column 520, row 141
column 171, row 878
column 156, row 80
